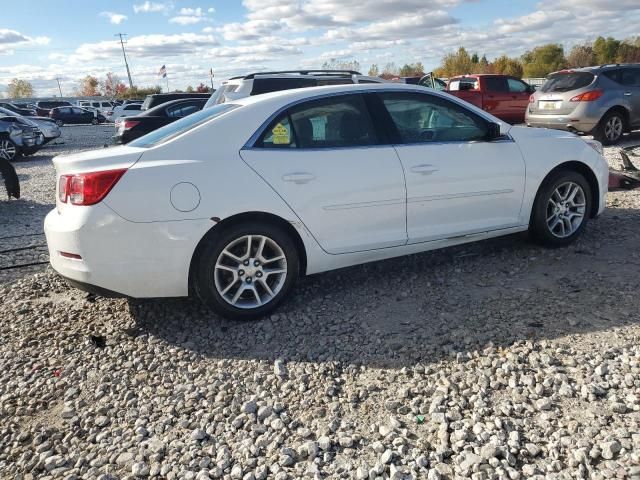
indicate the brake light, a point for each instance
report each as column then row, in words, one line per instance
column 130, row 124
column 87, row 188
column 589, row 96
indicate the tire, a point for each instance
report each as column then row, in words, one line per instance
column 550, row 208
column 610, row 128
column 94, row 121
column 217, row 285
column 8, row 149
column 59, row 123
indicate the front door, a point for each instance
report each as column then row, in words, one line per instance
column 630, row 80
column 324, row 158
column 458, row 183
column 520, row 93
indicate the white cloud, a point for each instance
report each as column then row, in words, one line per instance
column 115, row 18
column 12, row 38
column 208, row 30
column 153, row 7
column 190, row 16
column 251, row 30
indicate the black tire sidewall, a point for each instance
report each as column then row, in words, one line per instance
column 18, row 153
column 538, row 225
column 204, row 268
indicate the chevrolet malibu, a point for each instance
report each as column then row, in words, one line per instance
column 233, row 203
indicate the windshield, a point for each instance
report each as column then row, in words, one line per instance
column 567, row 81
column 178, row 127
column 218, row 97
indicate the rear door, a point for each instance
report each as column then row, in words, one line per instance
column 630, row 80
column 520, row 93
column 326, row 160
column 458, row 183
column 497, row 98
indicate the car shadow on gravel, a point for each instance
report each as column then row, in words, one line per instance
column 430, row 306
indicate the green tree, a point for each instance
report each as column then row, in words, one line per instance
column 412, row 70
column 373, row 70
column 543, row 60
column 189, row 89
column 20, row 89
column 139, row 93
column 507, row 66
column 581, row 56
column 453, row 64
column 483, row 65
column 389, row 71
column 606, row 50
column 336, row 64
column 629, row 51
column 474, row 58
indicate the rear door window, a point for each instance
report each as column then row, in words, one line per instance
column 496, row 84
column 567, row 81
column 517, row 86
column 463, row 84
column 630, row 77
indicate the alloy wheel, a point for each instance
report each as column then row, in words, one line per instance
column 613, row 128
column 7, row 149
column 566, row 209
column 250, row 271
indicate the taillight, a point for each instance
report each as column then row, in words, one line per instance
column 589, row 96
column 87, row 188
column 130, row 124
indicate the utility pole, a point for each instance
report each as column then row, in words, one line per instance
column 125, row 57
column 59, row 89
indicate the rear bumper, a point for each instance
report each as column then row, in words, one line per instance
column 561, row 122
column 138, row 260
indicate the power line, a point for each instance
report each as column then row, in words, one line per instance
column 124, row 54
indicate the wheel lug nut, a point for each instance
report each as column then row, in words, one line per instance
column 246, row 263
column 256, row 263
column 259, row 274
column 240, row 272
column 248, row 279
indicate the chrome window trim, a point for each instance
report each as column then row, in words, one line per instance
column 251, row 143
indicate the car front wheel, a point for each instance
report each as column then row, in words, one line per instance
column 246, row 271
column 8, row 150
column 94, row 121
column 59, row 123
column 561, row 209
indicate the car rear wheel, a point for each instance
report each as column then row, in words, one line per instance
column 59, row 123
column 246, row 271
column 94, row 121
column 610, row 129
column 8, row 150
column 561, row 209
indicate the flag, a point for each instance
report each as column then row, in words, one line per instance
column 163, row 72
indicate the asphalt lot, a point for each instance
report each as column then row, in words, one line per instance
column 497, row 359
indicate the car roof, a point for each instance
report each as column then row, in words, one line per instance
column 171, row 103
column 295, row 94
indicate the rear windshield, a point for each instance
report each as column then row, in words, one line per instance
column 178, row 127
column 567, row 81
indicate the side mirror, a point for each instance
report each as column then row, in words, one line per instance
column 494, row 131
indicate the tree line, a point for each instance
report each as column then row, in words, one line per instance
column 535, row 63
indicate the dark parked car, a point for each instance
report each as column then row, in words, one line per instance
column 15, row 137
column 160, row 98
column 16, row 109
column 130, row 128
column 44, row 107
column 64, row 115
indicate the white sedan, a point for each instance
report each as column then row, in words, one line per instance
column 235, row 202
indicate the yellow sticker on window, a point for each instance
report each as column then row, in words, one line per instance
column 280, row 135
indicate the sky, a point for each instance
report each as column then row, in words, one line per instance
column 41, row 40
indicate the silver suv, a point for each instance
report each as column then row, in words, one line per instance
column 603, row 101
column 265, row 82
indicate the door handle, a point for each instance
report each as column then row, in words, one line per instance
column 298, row 178
column 627, row 94
column 425, row 169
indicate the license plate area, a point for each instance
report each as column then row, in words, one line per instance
column 549, row 104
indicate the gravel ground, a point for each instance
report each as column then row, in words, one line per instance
column 492, row 360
